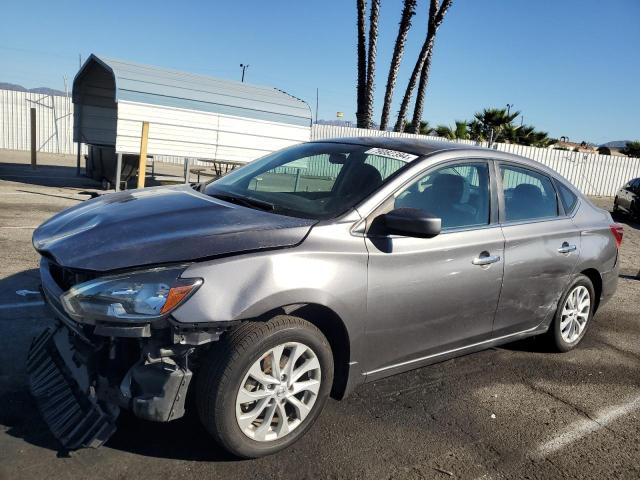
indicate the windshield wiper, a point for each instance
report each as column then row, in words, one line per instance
column 245, row 201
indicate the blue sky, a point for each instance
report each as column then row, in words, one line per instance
column 570, row 66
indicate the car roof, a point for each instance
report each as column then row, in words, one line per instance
column 407, row 145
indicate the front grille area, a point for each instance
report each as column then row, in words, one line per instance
column 66, row 278
column 74, row 419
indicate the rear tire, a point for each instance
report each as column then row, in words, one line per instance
column 573, row 316
column 239, row 369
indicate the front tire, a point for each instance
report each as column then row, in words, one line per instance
column 264, row 384
column 573, row 316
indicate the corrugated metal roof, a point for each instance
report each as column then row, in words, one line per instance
column 154, row 85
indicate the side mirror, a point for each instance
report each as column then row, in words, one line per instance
column 412, row 222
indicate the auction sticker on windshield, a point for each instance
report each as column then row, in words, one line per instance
column 383, row 152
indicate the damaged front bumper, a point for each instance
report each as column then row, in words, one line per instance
column 75, row 417
column 81, row 376
column 80, row 398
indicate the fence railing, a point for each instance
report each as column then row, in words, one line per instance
column 593, row 174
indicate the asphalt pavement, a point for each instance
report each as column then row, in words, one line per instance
column 516, row 411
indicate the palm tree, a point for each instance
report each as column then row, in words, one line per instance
column 362, row 63
column 524, row 135
column 493, row 122
column 436, row 16
column 371, row 61
column 476, row 131
column 408, row 11
column 424, row 128
column 426, row 67
column 460, row 132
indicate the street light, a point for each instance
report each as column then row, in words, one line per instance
column 243, row 67
column 509, row 105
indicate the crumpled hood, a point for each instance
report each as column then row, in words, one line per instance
column 160, row 225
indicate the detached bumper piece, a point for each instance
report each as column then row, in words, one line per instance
column 74, row 417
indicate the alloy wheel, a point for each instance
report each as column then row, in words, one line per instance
column 278, row 392
column 575, row 314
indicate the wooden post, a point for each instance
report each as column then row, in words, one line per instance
column 187, row 167
column 33, row 138
column 142, row 165
column 119, row 172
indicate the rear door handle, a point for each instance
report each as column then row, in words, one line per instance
column 566, row 248
column 486, row 260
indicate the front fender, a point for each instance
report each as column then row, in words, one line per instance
column 329, row 268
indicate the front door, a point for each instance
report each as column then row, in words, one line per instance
column 541, row 250
column 428, row 296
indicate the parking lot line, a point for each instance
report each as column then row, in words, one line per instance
column 587, row 426
column 28, row 228
column 9, row 306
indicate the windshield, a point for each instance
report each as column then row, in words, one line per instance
column 311, row 180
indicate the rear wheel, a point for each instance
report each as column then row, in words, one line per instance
column 574, row 313
column 264, row 385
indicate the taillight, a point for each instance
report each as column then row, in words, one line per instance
column 617, row 231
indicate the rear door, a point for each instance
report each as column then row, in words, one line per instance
column 542, row 246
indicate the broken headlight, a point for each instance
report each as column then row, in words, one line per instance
column 139, row 296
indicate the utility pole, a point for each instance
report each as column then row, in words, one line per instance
column 317, row 94
column 79, row 61
column 243, row 67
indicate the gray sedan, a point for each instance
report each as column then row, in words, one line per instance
column 302, row 275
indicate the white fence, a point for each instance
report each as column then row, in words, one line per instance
column 593, row 174
column 54, row 120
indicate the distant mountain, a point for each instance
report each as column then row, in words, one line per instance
column 616, row 144
column 20, row 88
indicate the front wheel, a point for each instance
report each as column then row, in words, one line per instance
column 616, row 209
column 574, row 313
column 264, row 385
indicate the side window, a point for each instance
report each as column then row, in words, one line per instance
column 458, row 194
column 528, row 195
column 567, row 196
column 635, row 186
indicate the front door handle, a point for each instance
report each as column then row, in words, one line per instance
column 566, row 248
column 486, row 259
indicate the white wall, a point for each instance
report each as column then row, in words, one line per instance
column 195, row 134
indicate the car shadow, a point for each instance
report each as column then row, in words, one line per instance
column 45, row 175
column 625, row 219
column 62, row 176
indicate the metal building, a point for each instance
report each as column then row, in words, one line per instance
column 192, row 116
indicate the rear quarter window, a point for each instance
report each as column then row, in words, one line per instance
column 568, row 198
